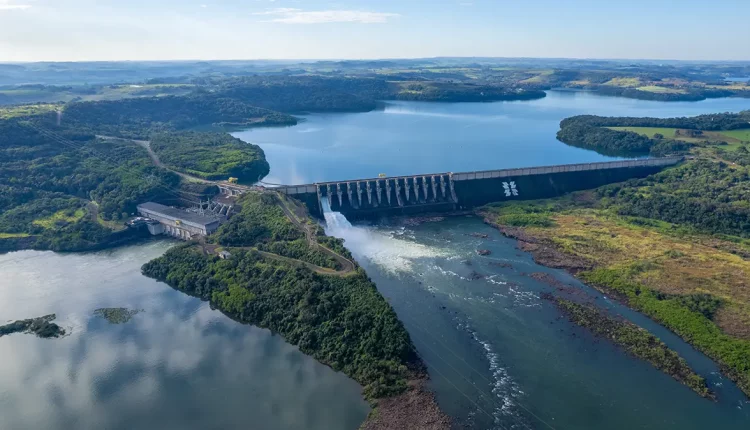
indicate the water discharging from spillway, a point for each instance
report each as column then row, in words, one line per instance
column 499, row 356
column 389, row 252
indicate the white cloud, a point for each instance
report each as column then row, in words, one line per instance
column 299, row 16
column 10, row 5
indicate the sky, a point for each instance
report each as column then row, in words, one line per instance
column 98, row 30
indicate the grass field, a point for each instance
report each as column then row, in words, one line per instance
column 13, row 235
column 661, row 90
column 26, row 110
column 734, row 138
column 651, row 256
column 60, row 217
column 624, row 82
column 696, row 285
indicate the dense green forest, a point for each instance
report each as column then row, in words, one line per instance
column 342, row 321
column 707, row 195
column 261, row 223
column 590, row 132
column 48, row 185
column 138, row 118
column 210, row 155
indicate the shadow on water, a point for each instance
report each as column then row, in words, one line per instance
column 501, row 357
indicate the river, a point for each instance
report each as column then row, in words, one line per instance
column 498, row 356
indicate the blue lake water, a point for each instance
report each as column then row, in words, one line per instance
column 410, row 138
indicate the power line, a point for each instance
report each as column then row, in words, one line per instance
column 454, row 386
column 104, row 158
column 492, row 401
column 472, row 368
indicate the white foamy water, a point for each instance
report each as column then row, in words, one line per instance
column 388, row 251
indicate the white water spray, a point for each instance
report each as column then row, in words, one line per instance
column 390, row 253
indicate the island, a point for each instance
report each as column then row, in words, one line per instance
column 41, row 327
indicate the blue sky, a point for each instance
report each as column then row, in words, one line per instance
column 77, row 30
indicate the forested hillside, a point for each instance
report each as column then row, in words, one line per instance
column 341, row 320
column 49, row 185
column 138, row 118
column 211, row 155
column 597, row 133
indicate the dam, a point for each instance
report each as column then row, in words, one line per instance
column 447, row 191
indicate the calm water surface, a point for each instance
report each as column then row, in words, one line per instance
column 176, row 365
column 408, row 138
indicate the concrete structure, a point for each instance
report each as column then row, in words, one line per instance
column 434, row 192
column 177, row 222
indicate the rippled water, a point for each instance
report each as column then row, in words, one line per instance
column 176, row 365
column 500, row 357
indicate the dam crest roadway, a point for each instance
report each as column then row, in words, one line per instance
column 440, row 192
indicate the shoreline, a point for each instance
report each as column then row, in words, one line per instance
column 548, row 256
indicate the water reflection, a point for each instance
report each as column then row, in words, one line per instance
column 178, row 364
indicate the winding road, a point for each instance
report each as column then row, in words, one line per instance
column 299, row 220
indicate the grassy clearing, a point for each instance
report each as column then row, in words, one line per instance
column 734, row 138
column 624, row 82
column 661, row 90
column 13, row 235
column 7, row 112
column 696, row 285
column 60, row 218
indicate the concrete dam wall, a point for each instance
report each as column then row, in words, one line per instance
column 437, row 192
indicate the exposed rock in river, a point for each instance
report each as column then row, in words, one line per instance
column 41, row 326
column 484, row 252
column 415, row 409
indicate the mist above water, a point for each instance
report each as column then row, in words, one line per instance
column 390, row 252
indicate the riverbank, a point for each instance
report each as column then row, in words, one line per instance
column 634, row 340
column 694, row 285
column 338, row 318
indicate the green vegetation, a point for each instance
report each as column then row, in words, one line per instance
column 262, row 224
column 41, row 327
column 211, row 155
column 636, row 341
column 25, row 111
column 657, row 136
column 706, row 195
column 679, row 315
column 138, row 118
column 117, row 315
column 46, row 186
column 341, row 321
column 60, row 218
column 674, row 245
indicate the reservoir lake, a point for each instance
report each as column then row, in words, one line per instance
column 499, row 357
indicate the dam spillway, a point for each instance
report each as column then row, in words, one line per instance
column 440, row 192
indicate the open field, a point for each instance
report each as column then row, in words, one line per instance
column 734, row 138
column 13, row 235
column 696, row 285
column 26, row 110
column 60, row 217
column 624, row 82
column 661, row 90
